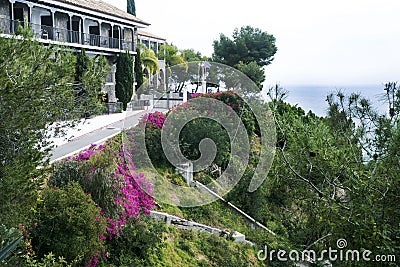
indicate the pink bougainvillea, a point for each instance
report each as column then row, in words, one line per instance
column 110, row 166
column 155, row 119
column 87, row 153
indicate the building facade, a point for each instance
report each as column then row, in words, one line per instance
column 154, row 42
column 93, row 25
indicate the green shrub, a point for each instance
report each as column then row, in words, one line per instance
column 94, row 170
column 68, row 224
column 241, row 108
column 136, row 243
column 48, row 260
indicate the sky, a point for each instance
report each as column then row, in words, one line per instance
column 323, row 45
column 320, row 42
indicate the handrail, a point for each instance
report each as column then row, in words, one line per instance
column 248, row 217
column 46, row 32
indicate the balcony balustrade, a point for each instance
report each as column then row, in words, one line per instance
column 45, row 32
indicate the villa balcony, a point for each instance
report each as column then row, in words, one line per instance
column 67, row 37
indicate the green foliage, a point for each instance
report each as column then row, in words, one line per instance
column 190, row 55
column 124, row 78
column 170, row 175
column 189, row 248
column 10, row 245
column 153, row 140
column 95, row 175
column 334, row 177
column 131, row 7
column 171, row 55
column 36, row 87
column 240, row 107
column 249, row 50
column 329, row 181
column 136, row 243
column 82, row 64
column 138, row 71
column 48, row 260
column 68, row 224
column 253, row 71
column 89, row 80
column 198, row 129
column 371, row 222
column 149, row 60
column 247, row 45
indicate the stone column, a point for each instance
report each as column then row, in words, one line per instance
column 119, row 37
column 134, row 96
column 70, row 33
column 12, row 16
column 30, row 5
column 53, row 23
column 111, row 94
column 111, row 45
column 100, row 33
column 83, row 20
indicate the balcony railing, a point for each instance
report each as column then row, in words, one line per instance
column 45, row 32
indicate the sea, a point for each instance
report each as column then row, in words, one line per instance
column 313, row 97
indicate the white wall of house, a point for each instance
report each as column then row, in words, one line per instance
column 88, row 23
column 37, row 12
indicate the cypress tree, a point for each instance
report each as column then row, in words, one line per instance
column 138, row 69
column 124, row 78
column 131, row 7
column 82, row 61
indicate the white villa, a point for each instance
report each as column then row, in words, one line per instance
column 96, row 26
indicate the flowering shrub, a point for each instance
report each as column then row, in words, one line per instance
column 153, row 123
column 155, row 119
column 195, row 115
column 108, row 175
column 238, row 105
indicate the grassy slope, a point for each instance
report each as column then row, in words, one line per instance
column 183, row 248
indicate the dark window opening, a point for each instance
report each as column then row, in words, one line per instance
column 94, row 32
column 18, row 18
column 19, row 13
column 75, row 31
column 46, row 23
